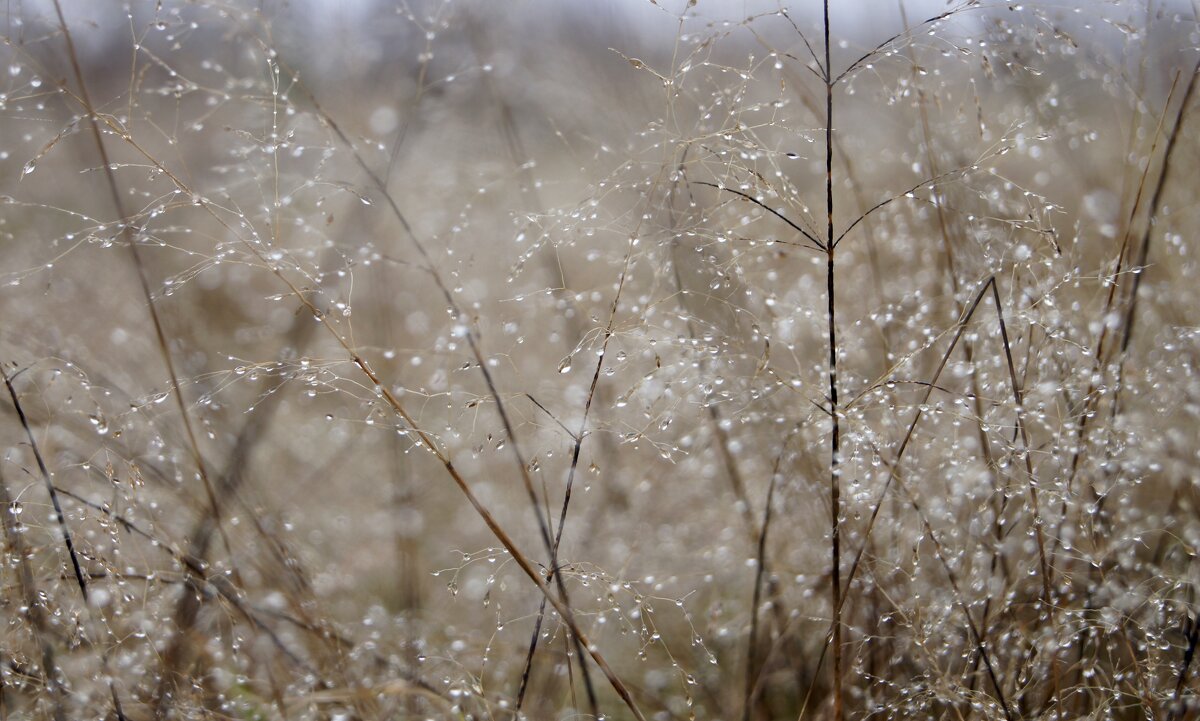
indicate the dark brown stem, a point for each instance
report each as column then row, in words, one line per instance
column 1189, row 653
column 759, row 573
column 34, row 611
column 835, row 436
column 894, row 476
column 60, row 518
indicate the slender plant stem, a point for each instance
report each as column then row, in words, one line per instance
column 59, row 516
column 33, row 608
column 759, row 572
column 835, row 436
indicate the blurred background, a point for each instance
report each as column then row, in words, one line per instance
column 614, row 210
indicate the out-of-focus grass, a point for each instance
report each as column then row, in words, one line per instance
column 544, row 247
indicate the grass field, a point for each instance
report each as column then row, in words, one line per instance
column 647, row 360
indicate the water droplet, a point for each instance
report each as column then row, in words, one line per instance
column 100, row 422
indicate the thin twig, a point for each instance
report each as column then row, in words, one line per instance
column 59, row 516
column 835, row 436
column 760, row 571
column 818, row 245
